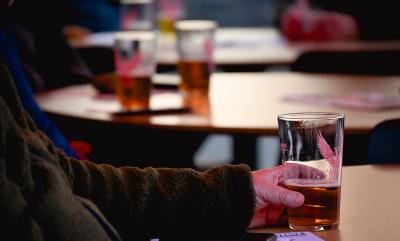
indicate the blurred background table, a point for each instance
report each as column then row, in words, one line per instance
column 369, row 205
column 236, row 48
column 244, row 48
column 245, row 105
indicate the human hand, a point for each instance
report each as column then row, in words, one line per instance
column 271, row 198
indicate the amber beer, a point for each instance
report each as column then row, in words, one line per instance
column 133, row 92
column 166, row 25
column 195, row 75
column 321, row 206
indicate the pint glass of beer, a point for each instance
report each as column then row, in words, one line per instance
column 137, row 15
column 314, row 139
column 135, row 63
column 195, row 45
column 169, row 12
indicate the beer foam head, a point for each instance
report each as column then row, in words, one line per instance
column 195, row 25
column 322, row 164
column 298, row 182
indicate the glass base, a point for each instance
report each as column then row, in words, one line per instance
column 313, row 228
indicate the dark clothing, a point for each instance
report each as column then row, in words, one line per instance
column 96, row 15
column 384, row 144
column 44, row 195
column 39, row 59
column 372, row 62
column 48, row 60
column 9, row 53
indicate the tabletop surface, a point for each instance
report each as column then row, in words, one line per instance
column 244, row 102
column 245, row 46
column 369, row 205
column 233, row 46
column 241, row 102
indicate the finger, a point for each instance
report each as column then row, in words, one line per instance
column 294, row 170
column 290, row 198
column 282, row 196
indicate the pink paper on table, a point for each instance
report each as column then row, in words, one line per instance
column 357, row 100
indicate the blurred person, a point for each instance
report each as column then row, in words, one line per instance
column 46, row 195
column 46, row 58
column 39, row 59
column 338, row 20
column 300, row 21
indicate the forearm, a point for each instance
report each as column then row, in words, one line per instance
column 166, row 201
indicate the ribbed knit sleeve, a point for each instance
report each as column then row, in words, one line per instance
column 161, row 201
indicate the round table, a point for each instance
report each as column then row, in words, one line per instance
column 241, row 104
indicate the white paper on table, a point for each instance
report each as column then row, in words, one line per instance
column 297, row 236
column 291, row 236
column 356, row 100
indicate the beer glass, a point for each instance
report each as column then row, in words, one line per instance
column 135, row 63
column 169, row 11
column 195, row 45
column 314, row 139
column 137, row 15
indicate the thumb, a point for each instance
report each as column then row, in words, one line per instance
column 282, row 196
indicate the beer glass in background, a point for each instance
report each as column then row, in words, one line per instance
column 135, row 63
column 314, row 139
column 137, row 15
column 195, row 45
column 169, row 12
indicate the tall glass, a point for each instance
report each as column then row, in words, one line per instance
column 169, row 11
column 314, row 139
column 195, row 44
column 137, row 15
column 135, row 64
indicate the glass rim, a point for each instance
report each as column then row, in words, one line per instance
column 134, row 35
column 311, row 116
column 195, row 25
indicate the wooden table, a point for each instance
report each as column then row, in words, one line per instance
column 245, row 48
column 242, row 104
column 239, row 102
column 369, row 205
